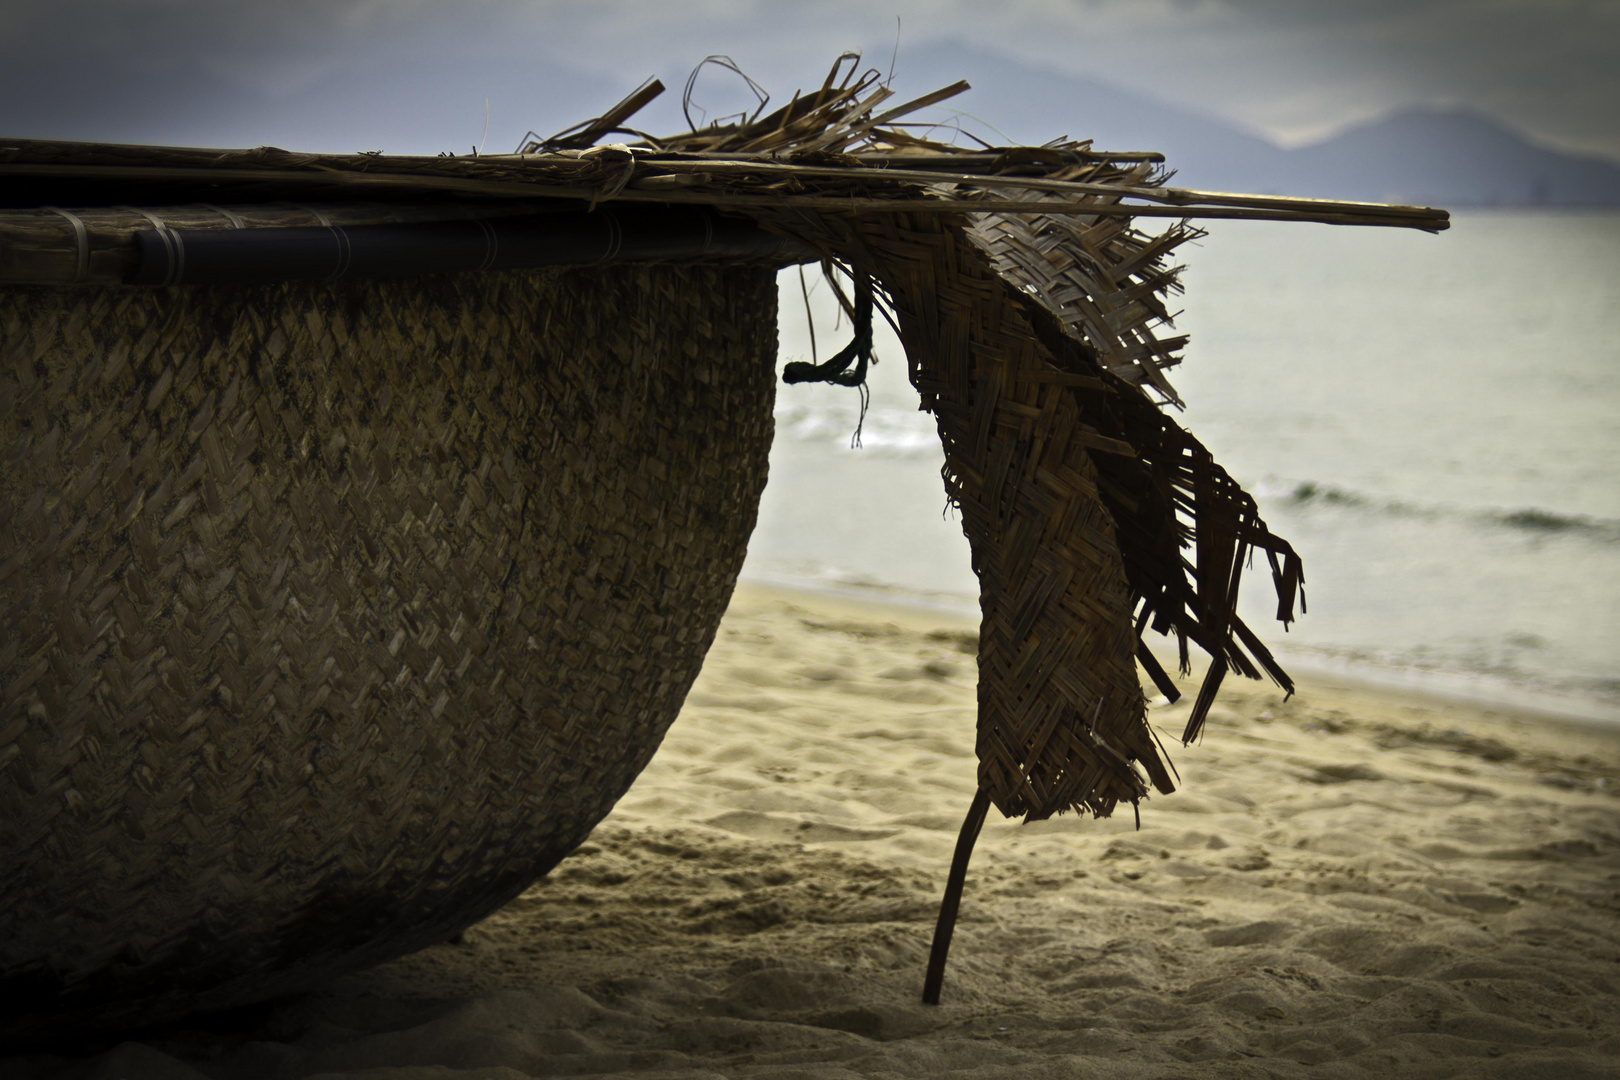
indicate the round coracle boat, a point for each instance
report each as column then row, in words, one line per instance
column 364, row 520
column 336, row 613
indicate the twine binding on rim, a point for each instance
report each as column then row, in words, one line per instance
column 81, row 237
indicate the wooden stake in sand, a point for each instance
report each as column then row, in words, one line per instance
column 952, row 900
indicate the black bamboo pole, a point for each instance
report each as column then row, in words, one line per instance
column 952, row 899
column 568, row 238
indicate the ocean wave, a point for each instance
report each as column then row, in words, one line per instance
column 820, row 577
column 884, row 429
column 1533, row 520
column 1511, row 673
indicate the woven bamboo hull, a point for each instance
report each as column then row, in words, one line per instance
column 334, row 615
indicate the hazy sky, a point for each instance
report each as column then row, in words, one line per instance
column 1292, row 69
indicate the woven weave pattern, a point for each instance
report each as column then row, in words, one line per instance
column 336, row 615
column 1061, row 714
column 1106, row 280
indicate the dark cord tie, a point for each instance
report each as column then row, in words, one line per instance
column 858, row 351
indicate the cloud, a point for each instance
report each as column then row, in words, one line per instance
column 1293, row 70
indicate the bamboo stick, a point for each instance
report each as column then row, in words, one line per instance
column 1169, row 196
column 951, row 902
column 1321, row 211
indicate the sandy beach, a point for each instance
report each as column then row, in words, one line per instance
column 1352, row 883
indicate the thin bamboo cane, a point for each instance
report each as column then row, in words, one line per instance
column 1170, row 196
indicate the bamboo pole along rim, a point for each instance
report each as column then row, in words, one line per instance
column 1184, row 203
column 257, row 245
column 328, row 253
column 1166, row 195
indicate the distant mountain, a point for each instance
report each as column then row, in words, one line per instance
column 1447, row 158
column 1430, row 157
column 1030, row 105
column 428, row 103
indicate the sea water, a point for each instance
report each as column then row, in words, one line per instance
column 1432, row 421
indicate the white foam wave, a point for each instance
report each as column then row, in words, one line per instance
column 885, row 431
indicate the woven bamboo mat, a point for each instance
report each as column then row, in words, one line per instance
column 337, row 614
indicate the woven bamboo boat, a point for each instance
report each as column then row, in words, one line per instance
column 339, row 613
column 365, row 520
